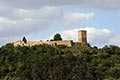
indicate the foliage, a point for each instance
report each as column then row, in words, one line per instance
column 45, row 62
column 24, row 40
column 57, row 37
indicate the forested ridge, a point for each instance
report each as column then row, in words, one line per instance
column 45, row 62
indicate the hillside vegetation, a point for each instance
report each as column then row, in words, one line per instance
column 45, row 62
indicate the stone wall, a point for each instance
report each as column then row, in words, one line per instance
column 52, row 43
column 82, row 36
column 19, row 42
column 82, row 40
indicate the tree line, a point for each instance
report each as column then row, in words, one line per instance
column 60, row 62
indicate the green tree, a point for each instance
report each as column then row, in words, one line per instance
column 44, row 62
column 24, row 40
column 57, row 37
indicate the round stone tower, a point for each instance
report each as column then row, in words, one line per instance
column 82, row 36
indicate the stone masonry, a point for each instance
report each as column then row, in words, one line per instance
column 82, row 40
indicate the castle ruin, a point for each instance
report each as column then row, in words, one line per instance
column 82, row 40
column 82, row 36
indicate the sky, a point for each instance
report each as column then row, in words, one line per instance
column 42, row 19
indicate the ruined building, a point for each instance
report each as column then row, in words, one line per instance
column 82, row 36
column 82, row 40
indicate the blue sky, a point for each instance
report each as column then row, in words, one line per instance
column 41, row 19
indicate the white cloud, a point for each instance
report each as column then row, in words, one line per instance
column 23, row 11
column 5, row 21
column 43, row 12
column 76, row 18
column 71, row 19
column 96, row 36
column 24, row 21
column 99, row 36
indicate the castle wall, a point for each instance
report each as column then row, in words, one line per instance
column 52, row 43
column 79, row 44
column 82, row 40
column 19, row 42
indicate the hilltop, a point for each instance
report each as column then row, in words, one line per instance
column 46, row 62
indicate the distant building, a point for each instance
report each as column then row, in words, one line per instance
column 82, row 36
column 82, row 40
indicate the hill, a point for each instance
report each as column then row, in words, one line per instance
column 45, row 62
